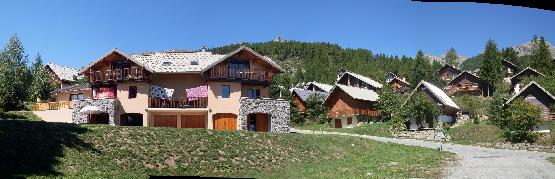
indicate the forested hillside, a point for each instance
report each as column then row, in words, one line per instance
column 319, row 61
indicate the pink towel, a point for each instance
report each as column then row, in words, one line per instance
column 197, row 92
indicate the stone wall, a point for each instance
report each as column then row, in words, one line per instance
column 110, row 106
column 278, row 110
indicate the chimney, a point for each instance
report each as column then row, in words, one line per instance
column 340, row 73
column 203, row 49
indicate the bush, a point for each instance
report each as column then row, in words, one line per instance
column 519, row 120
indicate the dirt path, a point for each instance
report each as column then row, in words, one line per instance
column 479, row 162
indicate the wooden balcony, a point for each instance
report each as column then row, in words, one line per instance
column 548, row 116
column 133, row 73
column 352, row 112
column 52, row 105
column 458, row 89
column 222, row 72
column 182, row 102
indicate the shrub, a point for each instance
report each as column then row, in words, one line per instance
column 519, row 120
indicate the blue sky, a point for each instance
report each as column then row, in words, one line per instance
column 76, row 32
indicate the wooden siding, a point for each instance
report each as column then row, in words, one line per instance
column 341, row 104
column 448, row 73
column 299, row 103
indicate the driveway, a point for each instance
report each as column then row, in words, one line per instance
column 478, row 162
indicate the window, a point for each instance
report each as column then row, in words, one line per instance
column 194, row 62
column 250, row 93
column 257, row 94
column 225, row 91
column 166, row 63
column 132, row 92
column 79, row 96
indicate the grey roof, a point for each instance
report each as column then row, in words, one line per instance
column 304, row 94
column 264, row 58
column 438, row 93
column 527, row 68
column 73, row 88
column 460, row 74
column 363, row 78
column 401, row 80
column 526, row 87
column 63, row 72
column 115, row 50
column 323, row 86
column 358, row 93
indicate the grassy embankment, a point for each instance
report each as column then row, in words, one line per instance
column 38, row 149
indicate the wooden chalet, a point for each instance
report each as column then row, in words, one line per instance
column 448, row 108
column 508, row 69
column 300, row 97
column 517, row 78
column 538, row 96
column 448, row 72
column 466, row 83
column 347, row 105
column 399, row 85
column 315, row 86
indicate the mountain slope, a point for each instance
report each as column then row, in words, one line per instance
column 526, row 49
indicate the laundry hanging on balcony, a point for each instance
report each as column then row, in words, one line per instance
column 197, row 92
column 159, row 92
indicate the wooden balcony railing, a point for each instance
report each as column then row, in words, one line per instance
column 456, row 89
column 133, row 73
column 240, row 73
column 52, row 105
column 182, row 102
column 548, row 116
column 352, row 112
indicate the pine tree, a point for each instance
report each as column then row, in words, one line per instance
column 41, row 88
column 541, row 59
column 14, row 76
column 421, row 70
column 451, row 58
column 490, row 70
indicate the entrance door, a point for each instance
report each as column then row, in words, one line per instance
column 165, row 121
column 338, row 123
column 193, row 121
column 258, row 122
column 225, row 121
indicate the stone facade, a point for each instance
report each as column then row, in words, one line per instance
column 110, row 106
column 278, row 110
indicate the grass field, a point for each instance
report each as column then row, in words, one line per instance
column 551, row 159
column 19, row 115
column 39, row 149
column 470, row 133
column 374, row 129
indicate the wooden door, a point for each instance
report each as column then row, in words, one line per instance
column 193, row 121
column 226, row 121
column 338, row 123
column 261, row 122
column 165, row 121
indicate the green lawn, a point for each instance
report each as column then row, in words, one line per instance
column 19, row 115
column 40, row 149
column 470, row 133
column 374, row 129
column 551, row 159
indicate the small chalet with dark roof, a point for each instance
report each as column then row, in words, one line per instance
column 399, row 85
column 315, row 86
column 300, row 97
column 466, row 83
column 448, row 72
column 508, row 69
column 538, row 96
column 527, row 72
column 448, row 108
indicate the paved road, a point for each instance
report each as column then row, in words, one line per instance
column 479, row 162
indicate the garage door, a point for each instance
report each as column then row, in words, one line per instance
column 193, row 121
column 225, row 121
column 165, row 121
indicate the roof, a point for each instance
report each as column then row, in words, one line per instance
column 177, row 62
column 512, row 65
column 73, row 88
column 63, row 72
column 115, row 50
column 401, row 80
column 532, row 83
column 304, row 94
column 322, row 86
column 446, row 66
column 464, row 72
column 264, row 58
column 363, row 78
column 527, row 69
column 357, row 93
column 438, row 93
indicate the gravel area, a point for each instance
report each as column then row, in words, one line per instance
column 479, row 162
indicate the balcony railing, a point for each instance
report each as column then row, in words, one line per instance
column 548, row 116
column 133, row 73
column 52, row 105
column 182, row 102
column 240, row 73
column 355, row 111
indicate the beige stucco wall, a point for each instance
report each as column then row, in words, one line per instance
column 264, row 90
column 344, row 122
column 178, row 82
column 64, row 96
column 217, row 104
column 134, row 105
